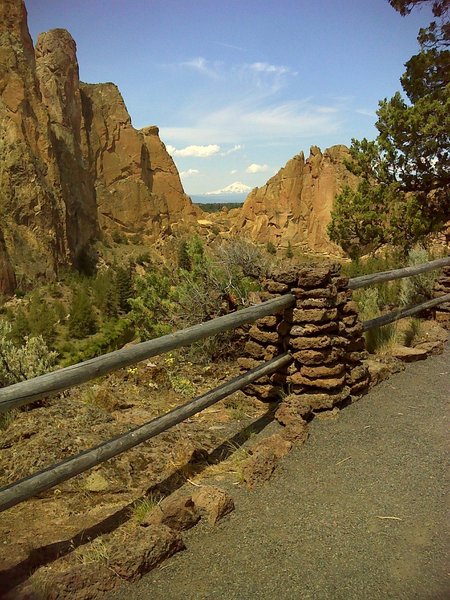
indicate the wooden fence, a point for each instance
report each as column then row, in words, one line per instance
column 27, row 392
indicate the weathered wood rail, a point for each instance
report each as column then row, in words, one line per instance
column 27, row 392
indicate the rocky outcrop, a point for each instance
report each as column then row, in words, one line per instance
column 72, row 163
column 295, row 205
column 137, row 185
column 31, row 201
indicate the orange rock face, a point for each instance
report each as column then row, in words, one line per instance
column 72, row 163
column 295, row 205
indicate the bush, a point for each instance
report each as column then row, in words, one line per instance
column 19, row 362
column 82, row 321
column 419, row 288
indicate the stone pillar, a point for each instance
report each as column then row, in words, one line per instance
column 442, row 287
column 323, row 334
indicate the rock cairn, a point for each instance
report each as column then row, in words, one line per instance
column 322, row 332
column 441, row 288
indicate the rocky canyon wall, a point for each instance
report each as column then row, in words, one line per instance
column 73, row 166
column 295, row 205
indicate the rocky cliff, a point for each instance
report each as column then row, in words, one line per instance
column 295, row 205
column 72, row 163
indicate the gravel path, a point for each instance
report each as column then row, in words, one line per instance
column 358, row 512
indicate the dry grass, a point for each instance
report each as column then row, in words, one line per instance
column 142, row 507
column 96, row 551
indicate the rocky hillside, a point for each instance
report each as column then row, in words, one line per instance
column 72, row 163
column 295, row 205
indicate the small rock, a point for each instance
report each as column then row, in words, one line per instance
column 177, row 511
column 409, row 354
column 213, row 503
column 95, row 482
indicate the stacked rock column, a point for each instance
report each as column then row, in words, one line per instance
column 441, row 288
column 323, row 334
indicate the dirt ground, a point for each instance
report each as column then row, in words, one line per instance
column 54, row 523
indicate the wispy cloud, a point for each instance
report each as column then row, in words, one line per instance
column 204, row 66
column 193, row 150
column 255, row 168
column 366, row 112
column 232, row 46
column 189, row 173
column 235, row 148
column 263, row 67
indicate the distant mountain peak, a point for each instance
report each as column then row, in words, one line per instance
column 237, row 187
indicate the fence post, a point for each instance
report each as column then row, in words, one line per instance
column 322, row 332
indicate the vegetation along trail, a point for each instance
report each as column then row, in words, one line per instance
column 359, row 511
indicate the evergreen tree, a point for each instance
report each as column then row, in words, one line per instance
column 289, row 251
column 184, row 260
column 82, row 321
column 124, row 288
column 406, row 170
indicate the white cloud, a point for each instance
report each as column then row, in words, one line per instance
column 236, row 187
column 189, row 173
column 255, row 168
column 262, row 67
column 366, row 112
column 235, row 148
column 233, row 172
column 197, row 151
column 204, row 66
column 251, row 120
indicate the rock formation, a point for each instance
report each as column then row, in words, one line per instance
column 295, row 205
column 72, row 163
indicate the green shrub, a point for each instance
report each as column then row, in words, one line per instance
column 82, row 321
column 19, row 362
column 419, row 288
column 271, row 249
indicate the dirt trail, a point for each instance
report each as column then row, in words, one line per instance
column 358, row 512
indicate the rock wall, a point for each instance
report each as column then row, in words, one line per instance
column 295, row 205
column 72, row 163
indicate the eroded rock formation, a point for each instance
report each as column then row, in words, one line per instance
column 72, row 163
column 295, row 205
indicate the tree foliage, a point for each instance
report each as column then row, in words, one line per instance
column 405, row 173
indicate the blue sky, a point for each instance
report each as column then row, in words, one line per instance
column 238, row 87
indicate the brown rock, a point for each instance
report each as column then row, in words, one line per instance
column 212, row 502
column 328, row 292
column 291, row 410
column 265, row 337
column 295, row 205
column 304, row 343
column 354, row 357
column 248, row 363
column 269, row 322
column 254, row 350
column 313, row 315
column 275, row 287
column 326, row 383
column 71, row 160
column 263, row 461
column 318, row 401
column 356, row 374
column 408, row 354
column 313, row 328
column 150, row 547
column 322, row 370
column 177, row 511
column 315, row 302
column 360, row 386
column 350, row 308
column 319, row 357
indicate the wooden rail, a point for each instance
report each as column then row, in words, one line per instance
column 56, row 474
column 26, row 392
column 395, row 315
column 364, row 280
